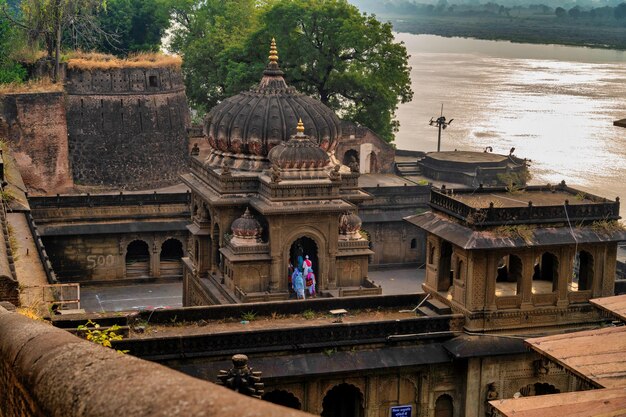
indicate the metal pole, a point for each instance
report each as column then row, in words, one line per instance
column 439, row 139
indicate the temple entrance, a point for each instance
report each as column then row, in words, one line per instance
column 301, row 248
column 171, row 264
column 343, row 401
column 137, row 260
column 283, row 398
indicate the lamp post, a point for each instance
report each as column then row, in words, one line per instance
column 441, row 123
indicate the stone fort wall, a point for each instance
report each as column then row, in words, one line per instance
column 34, row 125
column 127, row 127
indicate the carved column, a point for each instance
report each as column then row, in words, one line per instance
column 528, row 265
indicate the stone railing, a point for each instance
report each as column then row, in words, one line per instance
column 599, row 209
column 241, row 250
column 46, row 371
column 225, row 184
column 41, row 250
column 100, row 200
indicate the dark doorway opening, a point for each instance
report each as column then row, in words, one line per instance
column 444, row 406
column 283, row 398
column 350, row 157
column 302, row 247
column 171, row 258
column 373, row 163
column 343, row 401
column 137, row 259
column 445, row 267
column 539, row 388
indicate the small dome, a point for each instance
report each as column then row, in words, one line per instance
column 251, row 123
column 349, row 226
column 300, row 152
column 246, row 227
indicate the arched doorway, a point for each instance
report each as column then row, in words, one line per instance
column 304, row 246
column 343, row 401
column 137, row 259
column 373, row 163
column 351, row 156
column 171, row 264
column 283, row 398
column 444, row 406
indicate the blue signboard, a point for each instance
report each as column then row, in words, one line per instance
column 401, row 411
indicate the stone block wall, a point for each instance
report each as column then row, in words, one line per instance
column 127, row 127
column 93, row 258
column 45, row 371
column 35, row 127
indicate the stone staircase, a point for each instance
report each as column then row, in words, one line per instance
column 432, row 307
column 406, row 169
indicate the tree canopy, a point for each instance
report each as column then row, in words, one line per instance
column 327, row 49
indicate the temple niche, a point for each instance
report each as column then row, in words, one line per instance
column 269, row 192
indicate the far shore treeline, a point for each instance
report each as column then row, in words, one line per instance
column 597, row 23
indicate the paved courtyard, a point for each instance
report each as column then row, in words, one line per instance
column 169, row 295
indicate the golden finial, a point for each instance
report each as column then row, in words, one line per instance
column 273, row 52
column 300, row 128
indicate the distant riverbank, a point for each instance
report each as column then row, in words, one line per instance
column 537, row 31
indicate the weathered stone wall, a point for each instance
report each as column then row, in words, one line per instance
column 127, row 126
column 45, row 371
column 87, row 237
column 35, row 127
column 393, row 240
column 365, row 143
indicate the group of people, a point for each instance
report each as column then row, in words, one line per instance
column 301, row 278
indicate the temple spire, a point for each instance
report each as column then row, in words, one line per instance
column 272, row 66
column 300, row 128
column 273, row 53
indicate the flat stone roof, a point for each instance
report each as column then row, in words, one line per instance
column 384, row 180
column 467, row 156
column 597, row 356
column 521, row 198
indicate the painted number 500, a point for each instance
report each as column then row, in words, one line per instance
column 95, row 261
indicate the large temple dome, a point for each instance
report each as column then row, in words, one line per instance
column 244, row 128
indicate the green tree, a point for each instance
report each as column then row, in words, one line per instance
column 349, row 60
column 10, row 70
column 560, row 12
column 133, row 25
column 46, row 20
column 327, row 49
column 207, row 34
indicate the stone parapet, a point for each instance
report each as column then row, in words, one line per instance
column 49, row 372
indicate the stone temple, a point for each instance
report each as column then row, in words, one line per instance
column 501, row 264
column 269, row 191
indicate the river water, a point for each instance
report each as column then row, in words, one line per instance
column 554, row 104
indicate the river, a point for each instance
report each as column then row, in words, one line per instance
column 554, row 104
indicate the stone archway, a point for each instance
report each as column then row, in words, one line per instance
column 302, row 247
column 351, row 156
column 444, row 406
column 344, row 400
column 321, row 264
column 284, row 398
column 137, row 259
column 170, row 260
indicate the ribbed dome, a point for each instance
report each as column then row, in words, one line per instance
column 255, row 121
column 349, row 226
column 299, row 152
column 246, row 227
